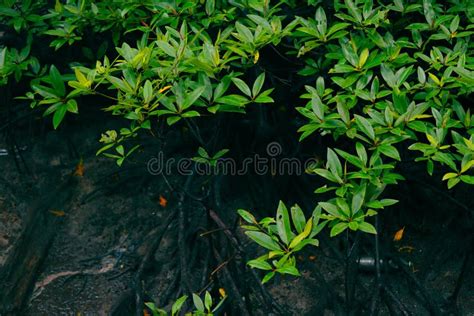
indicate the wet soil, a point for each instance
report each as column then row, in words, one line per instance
column 95, row 254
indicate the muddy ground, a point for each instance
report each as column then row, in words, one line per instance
column 91, row 264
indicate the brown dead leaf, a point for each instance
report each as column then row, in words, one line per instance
column 163, row 202
column 399, row 234
column 79, row 172
column 57, row 213
column 146, row 313
column 408, row 249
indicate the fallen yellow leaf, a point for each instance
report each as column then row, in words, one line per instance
column 222, row 292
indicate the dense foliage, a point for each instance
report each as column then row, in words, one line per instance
column 379, row 77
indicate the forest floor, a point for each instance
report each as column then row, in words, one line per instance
column 91, row 263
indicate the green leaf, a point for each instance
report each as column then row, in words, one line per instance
column 147, row 91
column 57, row 81
column 283, row 223
column 321, row 21
column 59, row 115
column 327, row 174
column 367, row 228
column 172, row 120
column 259, row 264
column 258, row 84
column 361, row 152
column 3, row 54
column 388, row 76
column 353, row 10
column 330, row 208
column 358, row 198
column 421, row 75
column 453, row 27
column 178, row 305
column 264, row 99
column 244, row 32
column 353, row 226
column 192, row 97
column 289, row 270
column 350, row 158
column 363, row 57
column 234, row 99
column 449, row 175
column 467, row 179
column 365, row 126
column 198, row 303
column 338, row 228
column 307, row 230
column 453, row 181
column 242, row 86
column 166, row 47
column 334, row 163
column 72, row 106
column 120, row 150
column 210, row 6
column 190, row 114
column 208, row 301
column 389, row 151
column 388, row 202
column 299, row 220
column 247, row 216
column 268, row 277
column 263, row 240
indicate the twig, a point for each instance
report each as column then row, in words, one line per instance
column 432, row 307
column 389, row 293
column 156, row 237
column 242, row 307
column 464, row 268
column 266, row 296
column 378, row 276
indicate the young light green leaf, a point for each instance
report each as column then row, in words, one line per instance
column 198, row 303
column 178, row 305
column 208, row 301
